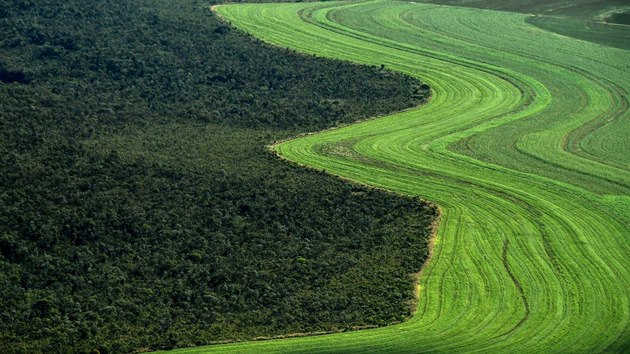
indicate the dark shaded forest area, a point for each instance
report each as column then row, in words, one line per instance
column 139, row 208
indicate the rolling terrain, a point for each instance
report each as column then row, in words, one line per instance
column 524, row 146
column 598, row 21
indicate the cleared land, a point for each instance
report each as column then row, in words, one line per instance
column 591, row 20
column 524, row 146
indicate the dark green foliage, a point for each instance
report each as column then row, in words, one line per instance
column 139, row 207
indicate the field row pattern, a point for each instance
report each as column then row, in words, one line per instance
column 524, row 146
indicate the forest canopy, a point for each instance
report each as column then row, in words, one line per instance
column 139, row 208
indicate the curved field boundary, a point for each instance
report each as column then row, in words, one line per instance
column 524, row 145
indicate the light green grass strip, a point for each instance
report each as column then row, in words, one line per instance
column 525, row 146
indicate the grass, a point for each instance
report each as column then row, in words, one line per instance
column 524, row 146
column 598, row 21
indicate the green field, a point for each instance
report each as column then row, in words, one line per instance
column 524, row 146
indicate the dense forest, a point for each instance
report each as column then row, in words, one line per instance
column 139, row 208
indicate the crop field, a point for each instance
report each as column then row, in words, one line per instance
column 525, row 146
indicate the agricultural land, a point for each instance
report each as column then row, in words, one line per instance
column 524, row 146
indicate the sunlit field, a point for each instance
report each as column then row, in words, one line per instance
column 524, row 146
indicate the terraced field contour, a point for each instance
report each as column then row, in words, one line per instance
column 525, row 146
